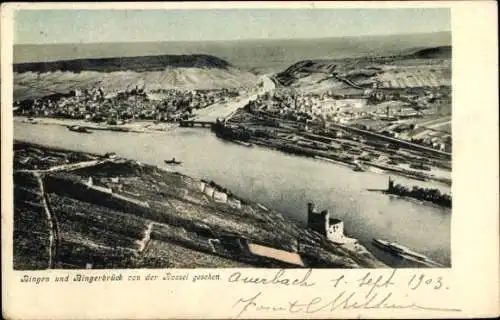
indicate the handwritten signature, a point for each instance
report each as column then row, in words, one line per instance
column 343, row 300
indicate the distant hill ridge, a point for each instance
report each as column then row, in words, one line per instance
column 329, row 65
column 262, row 56
column 352, row 75
column 137, row 64
column 442, row 52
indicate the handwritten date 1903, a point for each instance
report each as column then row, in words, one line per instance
column 417, row 281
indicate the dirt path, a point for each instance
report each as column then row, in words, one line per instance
column 349, row 82
column 147, row 236
column 53, row 224
column 67, row 167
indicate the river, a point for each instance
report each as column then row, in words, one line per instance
column 280, row 181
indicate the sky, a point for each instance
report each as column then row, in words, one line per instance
column 94, row 26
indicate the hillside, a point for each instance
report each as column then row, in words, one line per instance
column 428, row 67
column 442, row 52
column 137, row 64
column 37, row 79
column 73, row 209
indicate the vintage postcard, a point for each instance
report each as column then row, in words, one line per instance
column 249, row 160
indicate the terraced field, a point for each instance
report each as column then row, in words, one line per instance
column 414, row 77
column 150, row 218
column 31, row 228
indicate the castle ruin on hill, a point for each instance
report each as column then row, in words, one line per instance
column 331, row 228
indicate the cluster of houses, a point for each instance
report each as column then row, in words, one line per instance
column 118, row 107
column 438, row 141
column 390, row 114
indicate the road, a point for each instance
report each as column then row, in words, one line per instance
column 404, row 143
column 226, row 110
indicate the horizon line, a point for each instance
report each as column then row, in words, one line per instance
column 240, row 40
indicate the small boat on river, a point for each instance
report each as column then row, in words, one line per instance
column 173, row 162
column 79, row 129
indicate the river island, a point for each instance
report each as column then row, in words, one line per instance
column 371, row 116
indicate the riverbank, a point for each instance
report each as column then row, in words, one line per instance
column 275, row 179
column 142, row 216
column 287, row 146
column 354, row 149
column 136, row 126
column 276, row 143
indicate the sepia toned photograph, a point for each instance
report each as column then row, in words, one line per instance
column 232, row 138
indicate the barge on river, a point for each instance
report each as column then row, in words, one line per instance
column 404, row 252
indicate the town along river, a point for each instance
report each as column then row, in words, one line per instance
column 277, row 180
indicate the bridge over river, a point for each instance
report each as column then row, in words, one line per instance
column 193, row 123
